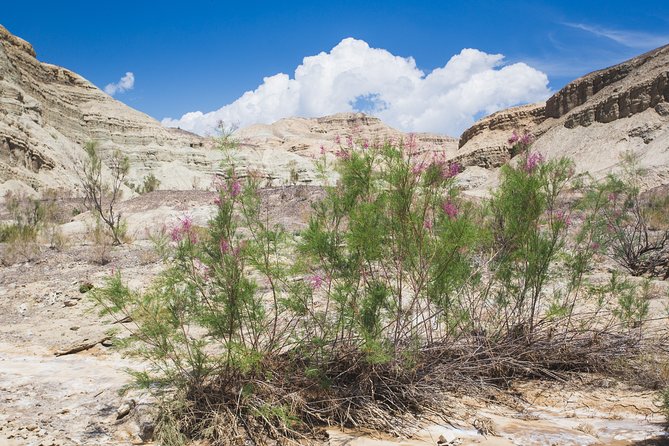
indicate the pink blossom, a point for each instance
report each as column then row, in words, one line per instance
column 594, row 246
column 365, row 144
column 451, row 170
column 237, row 250
column 175, row 234
column 186, row 223
column 613, row 196
column 450, row 209
column 235, row 188
column 419, row 168
column 438, row 159
column 217, row 201
column 526, row 139
column 349, row 141
column 428, row 223
column 184, row 228
column 322, row 150
column 533, row 161
column 315, row 282
column 343, row 154
column 224, row 246
column 337, row 139
column 514, row 138
column 563, row 218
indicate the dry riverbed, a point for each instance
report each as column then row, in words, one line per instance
column 73, row 399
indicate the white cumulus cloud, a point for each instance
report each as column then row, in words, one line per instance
column 355, row 77
column 126, row 83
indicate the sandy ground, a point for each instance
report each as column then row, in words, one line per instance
column 73, row 399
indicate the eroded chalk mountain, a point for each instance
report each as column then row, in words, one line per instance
column 47, row 114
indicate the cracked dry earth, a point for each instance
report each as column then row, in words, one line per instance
column 73, row 399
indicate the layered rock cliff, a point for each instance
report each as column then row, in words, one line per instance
column 485, row 143
column 48, row 112
column 614, row 93
column 593, row 120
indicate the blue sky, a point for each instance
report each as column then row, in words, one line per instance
column 204, row 55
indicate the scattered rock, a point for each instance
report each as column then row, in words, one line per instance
column 125, row 408
column 485, row 426
column 70, row 303
column 146, row 430
column 662, row 108
column 85, row 287
column 83, row 345
column 443, row 441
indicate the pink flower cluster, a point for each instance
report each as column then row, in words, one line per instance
column 563, row 217
column 225, row 247
column 525, row 139
column 451, row 170
column 450, row 209
column 419, row 168
column 227, row 188
column 343, row 154
column 448, row 169
column 533, row 160
column 235, row 188
column 184, row 231
column 315, row 282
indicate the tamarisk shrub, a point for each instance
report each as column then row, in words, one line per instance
column 528, row 229
column 398, row 290
column 389, row 247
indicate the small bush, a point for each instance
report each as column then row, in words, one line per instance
column 102, row 243
column 631, row 231
column 101, row 196
column 20, row 236
column 149, row 184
